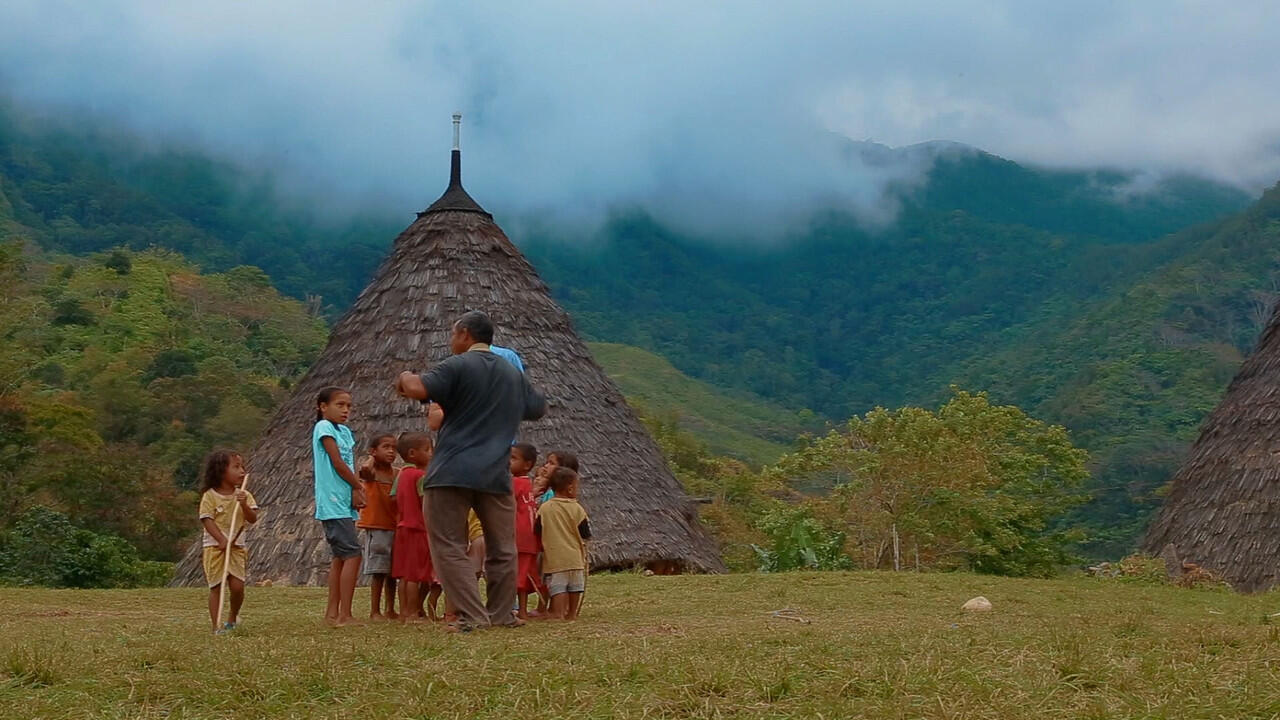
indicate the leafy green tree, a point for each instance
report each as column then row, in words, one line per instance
column 972, row 485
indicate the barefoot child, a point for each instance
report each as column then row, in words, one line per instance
column 223, row 472
column 338, row 496
column 562, row 525
column 378, row 520
column 411, row 554
column 523, row 458
column 542, row 493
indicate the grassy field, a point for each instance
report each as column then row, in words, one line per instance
column 875, row 645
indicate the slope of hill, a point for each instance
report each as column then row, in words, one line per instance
column 732, row 424
column 120, row 371
column 1136, row 371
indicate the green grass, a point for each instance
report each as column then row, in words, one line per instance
column 877, row 645
column 731, row 423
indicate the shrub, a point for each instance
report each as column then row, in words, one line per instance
column 44, row 548
column 797, row 541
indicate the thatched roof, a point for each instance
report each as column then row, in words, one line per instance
column 1223, row 511
column 454, row 258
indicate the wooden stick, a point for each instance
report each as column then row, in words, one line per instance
column 226, row 555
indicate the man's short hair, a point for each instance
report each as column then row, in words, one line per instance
column 478, row 325
column 410, row 441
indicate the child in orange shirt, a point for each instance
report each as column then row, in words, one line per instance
column 378, row 521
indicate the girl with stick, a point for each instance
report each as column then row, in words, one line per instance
column 225, row 509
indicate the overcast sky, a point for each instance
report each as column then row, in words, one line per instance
column 726, row 114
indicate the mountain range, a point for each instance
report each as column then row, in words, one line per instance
column 1114, row 302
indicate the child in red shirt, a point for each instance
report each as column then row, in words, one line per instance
column 411, row 554
column 523, row 457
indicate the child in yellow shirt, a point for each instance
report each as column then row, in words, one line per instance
column 562, row 524
column 223, row 473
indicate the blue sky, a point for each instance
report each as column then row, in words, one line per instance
column 714, row 114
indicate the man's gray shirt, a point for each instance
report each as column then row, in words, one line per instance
column 484, row 399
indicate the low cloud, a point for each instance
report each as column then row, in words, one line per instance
column 729, row 118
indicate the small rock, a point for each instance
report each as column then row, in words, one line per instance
column 978, row 604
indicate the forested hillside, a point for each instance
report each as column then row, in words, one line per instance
column 1101, row 300
column 119, row 371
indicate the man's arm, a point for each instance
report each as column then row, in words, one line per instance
column 410, row 385
column 435, row 416
column 535, row 403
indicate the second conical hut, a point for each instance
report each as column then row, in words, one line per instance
column 454, row 258
column 1222, row 510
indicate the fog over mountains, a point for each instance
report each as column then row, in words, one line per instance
column 719, row 119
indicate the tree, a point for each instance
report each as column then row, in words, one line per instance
column 972, row 485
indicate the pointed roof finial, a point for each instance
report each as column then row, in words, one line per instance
column 454, row 197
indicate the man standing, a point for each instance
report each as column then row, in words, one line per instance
column 484, row 399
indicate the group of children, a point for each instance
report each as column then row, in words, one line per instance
column 385, row 504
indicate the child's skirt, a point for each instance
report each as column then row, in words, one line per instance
column 527, row 573
column 411, row 556
column 213, row 557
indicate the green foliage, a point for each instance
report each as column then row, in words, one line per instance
column 44, row 548
column 972, row 485
column 732, row 424
column 798, row 541
column 113, row 385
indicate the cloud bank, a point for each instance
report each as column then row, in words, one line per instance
column 730, row 116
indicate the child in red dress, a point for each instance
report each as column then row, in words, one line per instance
column 410, row 554
column 523, row 457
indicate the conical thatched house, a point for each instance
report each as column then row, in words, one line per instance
column 452, row 259
column 1223, row 512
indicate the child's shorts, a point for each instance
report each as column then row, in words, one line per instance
column 341, row 534
column 213, row 558
column 567, row 581
column 376, row 551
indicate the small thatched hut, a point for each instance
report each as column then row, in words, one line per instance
column 1223, row 511
column 452, row 259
